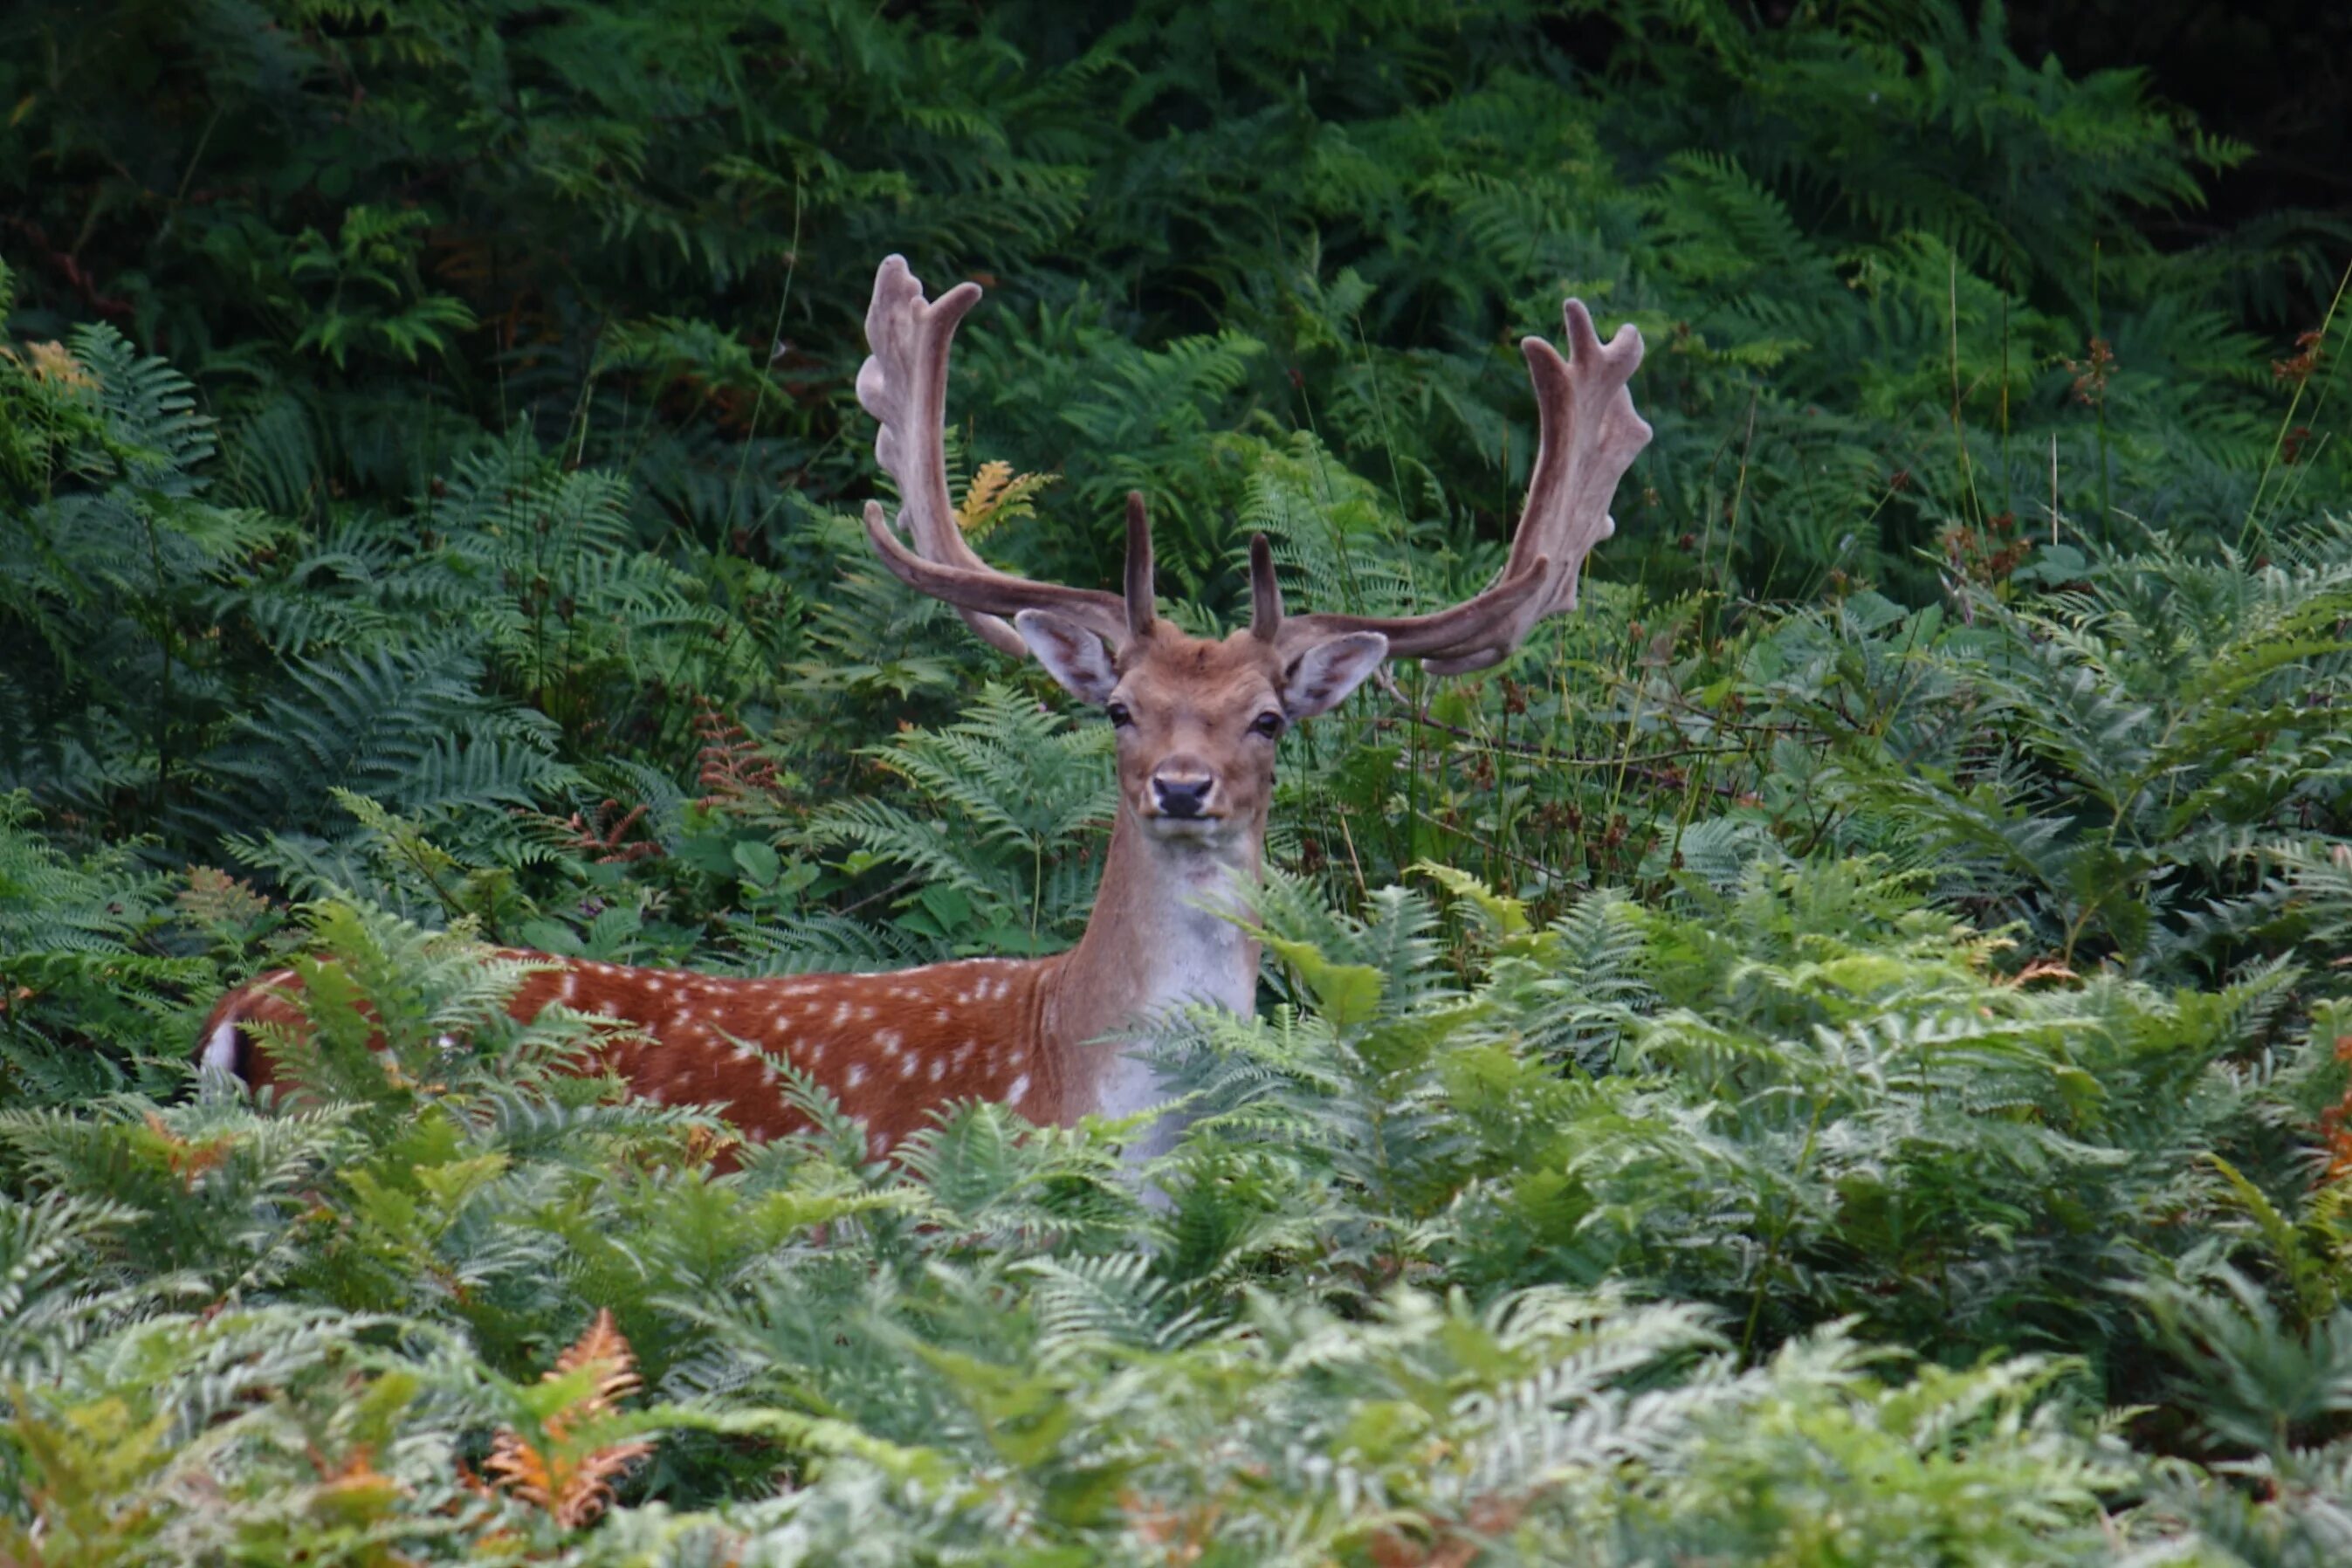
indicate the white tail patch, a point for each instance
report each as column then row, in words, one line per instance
column 220, row 1051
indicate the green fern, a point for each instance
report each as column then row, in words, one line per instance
column 1003, row 794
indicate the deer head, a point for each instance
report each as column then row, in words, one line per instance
column 1198, row 719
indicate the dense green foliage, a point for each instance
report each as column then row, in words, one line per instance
column 1835, row 1054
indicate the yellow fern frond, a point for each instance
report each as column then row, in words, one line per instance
column 54, row 362
column 995, row 494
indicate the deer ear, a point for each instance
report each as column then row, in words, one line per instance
column 1320, row 678
column 1071, row 653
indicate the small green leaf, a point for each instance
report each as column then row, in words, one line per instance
column 1345, row 993
column 759, row 862
column 1506, row 916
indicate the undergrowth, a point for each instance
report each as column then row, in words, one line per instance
column 1835, row 1054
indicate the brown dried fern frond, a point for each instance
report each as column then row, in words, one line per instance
column 569, row 1481
column 189, row 1159
column 213, row 898
column 734, row 772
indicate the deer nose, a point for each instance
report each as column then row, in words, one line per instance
column 1181, row 789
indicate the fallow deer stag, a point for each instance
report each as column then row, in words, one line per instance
column 1198, row 722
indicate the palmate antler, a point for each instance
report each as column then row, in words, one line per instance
column 904, row 385
column 1590, row 436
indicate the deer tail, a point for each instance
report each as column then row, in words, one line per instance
column 226, row 1042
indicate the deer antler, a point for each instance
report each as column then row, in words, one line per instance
column 1590, row 435
column 904, row 384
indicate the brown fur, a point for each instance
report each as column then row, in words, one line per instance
column 890, row 1047
column 1192, row 703
column 894, row 1047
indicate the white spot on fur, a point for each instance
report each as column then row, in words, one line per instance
column 856, row 1075
column 938, row 1069
column 1020, row 1087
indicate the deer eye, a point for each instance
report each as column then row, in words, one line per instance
column 1119, row 715
column 1268, row 723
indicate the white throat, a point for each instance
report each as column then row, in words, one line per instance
column 1187, row 953
column 1198, row 954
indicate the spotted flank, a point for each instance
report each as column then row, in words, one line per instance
column 892, row 1048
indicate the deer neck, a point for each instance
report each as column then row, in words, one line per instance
column 1161, row 938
